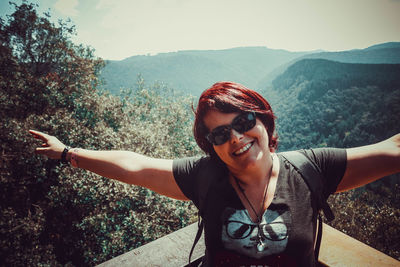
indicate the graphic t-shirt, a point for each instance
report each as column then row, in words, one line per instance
column 286, row 233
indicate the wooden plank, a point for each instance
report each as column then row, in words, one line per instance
column 170, row 250
column 339, row 249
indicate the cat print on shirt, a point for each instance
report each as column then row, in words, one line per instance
column 242, row 235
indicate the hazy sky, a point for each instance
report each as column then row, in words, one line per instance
column 121, row 28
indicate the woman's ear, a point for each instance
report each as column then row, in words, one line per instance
column 272, row 149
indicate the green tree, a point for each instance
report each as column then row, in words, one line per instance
column 50, row 213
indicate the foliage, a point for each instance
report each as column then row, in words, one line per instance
column 324, row 103
column 371, row 216
column 50, row 213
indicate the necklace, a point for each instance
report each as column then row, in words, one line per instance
column 260, row 244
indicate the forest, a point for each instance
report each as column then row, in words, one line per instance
column 329, row 103
column 52, row 214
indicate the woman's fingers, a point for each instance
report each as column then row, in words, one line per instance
column 51, row 146
column 41, row 150
column 49, row 152
column 39, row 135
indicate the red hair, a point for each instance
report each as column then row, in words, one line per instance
column 229, row 97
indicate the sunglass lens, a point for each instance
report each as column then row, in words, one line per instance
column 244, row 122
column 238, row 230
column 221, row 135
column 275, row 231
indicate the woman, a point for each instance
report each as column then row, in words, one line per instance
column 258, row 210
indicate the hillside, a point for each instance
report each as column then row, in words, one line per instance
column 193, row 71
column 326, row 103
column 386, row 53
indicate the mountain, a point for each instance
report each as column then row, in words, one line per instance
column 385, row 45
column 256, row 67
column 320, row 102
column 377, row 54
column 194, row 71
column 386, row 53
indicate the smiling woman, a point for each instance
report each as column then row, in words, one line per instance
column 257, row 208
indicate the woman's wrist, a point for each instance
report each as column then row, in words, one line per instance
column 68, row 156
column 64, row 154
column 74, row 157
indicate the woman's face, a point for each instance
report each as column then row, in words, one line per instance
column 242, row 150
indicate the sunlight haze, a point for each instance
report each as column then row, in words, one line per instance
column 118, row 29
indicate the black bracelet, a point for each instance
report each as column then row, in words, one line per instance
column 64, row 154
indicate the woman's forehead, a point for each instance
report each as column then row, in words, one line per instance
column 215, row 118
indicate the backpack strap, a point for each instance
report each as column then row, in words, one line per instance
column 312, row 177
column 207, row 175
column 200, row 228
column 200, row 214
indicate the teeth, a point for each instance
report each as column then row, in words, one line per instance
column 243, row 149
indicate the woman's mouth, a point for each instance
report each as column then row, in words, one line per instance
column 243, row 149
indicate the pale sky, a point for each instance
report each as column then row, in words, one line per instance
column 118, row 29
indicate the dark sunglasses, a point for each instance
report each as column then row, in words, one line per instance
column 275, row 231
column 241, row 124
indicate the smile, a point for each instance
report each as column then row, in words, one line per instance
column 243, row 149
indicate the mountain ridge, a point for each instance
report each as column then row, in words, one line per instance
column 192, row 71
column 385, row 53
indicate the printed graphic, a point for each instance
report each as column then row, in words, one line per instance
column 269, row 237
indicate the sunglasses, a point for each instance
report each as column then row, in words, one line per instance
column 241, row 124
column 275, row 231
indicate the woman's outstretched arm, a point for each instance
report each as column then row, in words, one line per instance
column 124, row 166
column 368, row 163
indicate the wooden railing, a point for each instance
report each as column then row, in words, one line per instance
column 337, row 249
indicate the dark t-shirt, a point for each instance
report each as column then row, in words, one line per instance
column 288, row 226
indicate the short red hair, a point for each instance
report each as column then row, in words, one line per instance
column 229, row 97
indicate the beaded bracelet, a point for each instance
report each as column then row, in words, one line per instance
column 74, row 157
column 64, row 154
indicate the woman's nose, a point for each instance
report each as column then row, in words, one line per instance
column 235, row 136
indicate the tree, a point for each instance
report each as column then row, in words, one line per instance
column 37, row 53
column 43, row 78
column 51, row 214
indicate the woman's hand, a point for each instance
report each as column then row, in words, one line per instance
column 51, row 147
column 368, row 163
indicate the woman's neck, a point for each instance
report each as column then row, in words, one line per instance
column 254, row 175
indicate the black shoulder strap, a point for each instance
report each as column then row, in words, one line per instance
column 311, row 176
column 200, row 225
column 207, row 175
column 200, row 214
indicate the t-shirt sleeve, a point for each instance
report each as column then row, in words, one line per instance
column 332, row 163
column 186, row 171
